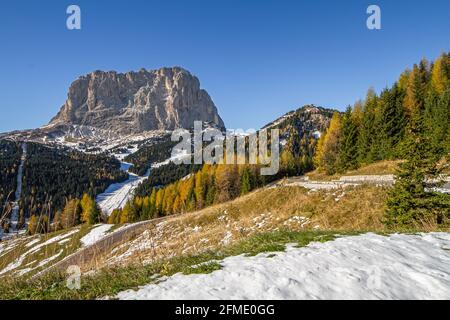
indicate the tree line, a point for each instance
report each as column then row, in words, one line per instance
column 75, row 212
column 164, row 175
column 375, row 129
column 212, row 184
column 408, row 121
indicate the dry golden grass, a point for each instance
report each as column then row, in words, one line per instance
column 444, row 165
column 377, row 168
column 380, row 167
column 268, row 209
column 322, row 176
column 360, row 208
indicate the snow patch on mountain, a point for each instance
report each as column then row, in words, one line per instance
column 117, row 194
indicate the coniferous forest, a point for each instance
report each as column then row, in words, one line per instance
column 52, row 177
column 210, row 185
column 147, row 155
column 10, row 153
column 408, row 121
column 164, row 175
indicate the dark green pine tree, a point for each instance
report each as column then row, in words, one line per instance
column 367, row 130
column 437, row 113
column 245, row 182
column 409, row 204
column 211, row 191
column 348, row 150
column 390, row 124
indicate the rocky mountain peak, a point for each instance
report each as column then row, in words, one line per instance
column 135, row 102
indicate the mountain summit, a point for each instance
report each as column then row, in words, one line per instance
column 134, row 102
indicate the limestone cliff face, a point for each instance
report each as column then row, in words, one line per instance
column 134, row 102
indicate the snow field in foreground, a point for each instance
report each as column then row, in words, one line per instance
column 367, row 266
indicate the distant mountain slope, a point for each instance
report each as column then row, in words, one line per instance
column 308, row 119
column 300, row 129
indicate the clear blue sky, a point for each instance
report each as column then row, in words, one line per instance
column 257, row 59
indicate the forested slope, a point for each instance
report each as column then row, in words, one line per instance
column 53, row 176
column 408, row 121
column 10, row 153
column 158, row 151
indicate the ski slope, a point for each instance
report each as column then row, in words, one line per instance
column 117, row 194
column 14, row 219
column 368, row 266
column 18, row 194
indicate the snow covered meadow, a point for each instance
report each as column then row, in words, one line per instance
column 368, row 266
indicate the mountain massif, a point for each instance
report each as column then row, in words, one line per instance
column 134, row 102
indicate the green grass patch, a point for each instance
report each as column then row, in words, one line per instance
column 203, row 268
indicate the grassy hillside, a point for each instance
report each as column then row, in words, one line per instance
column 377, row 168
column 265, row 210
column 262, row 221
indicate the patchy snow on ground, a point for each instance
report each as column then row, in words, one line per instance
column 97, row 233
column 53, row 240
column 40, row 264
column 45, row 261
column 33, row 242
column 7, row 246
column 367, row 266
column 34, row 248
